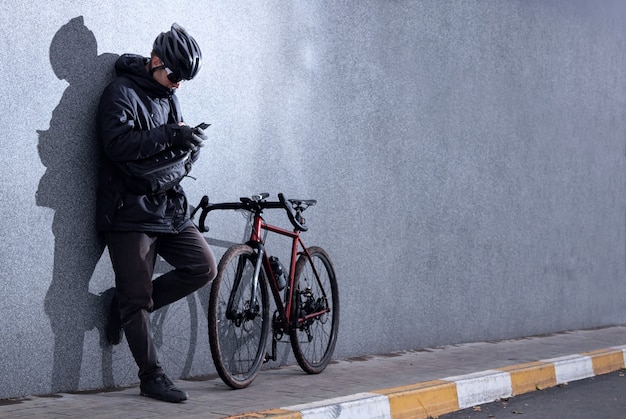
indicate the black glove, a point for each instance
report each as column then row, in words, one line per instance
column 188, row 137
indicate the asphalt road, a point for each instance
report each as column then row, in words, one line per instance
column 603, row 397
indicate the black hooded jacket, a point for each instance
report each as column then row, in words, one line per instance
column 137, row 118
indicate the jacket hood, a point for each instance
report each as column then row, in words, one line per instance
column 134, row 67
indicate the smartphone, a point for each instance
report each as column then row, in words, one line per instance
column 203, row 125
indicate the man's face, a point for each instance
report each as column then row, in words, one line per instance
column 163, row 74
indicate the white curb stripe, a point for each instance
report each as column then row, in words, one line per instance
column 482, row 387
column 356, row 406
column 571, row 368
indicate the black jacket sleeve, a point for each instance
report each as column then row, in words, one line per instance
column 130, row 129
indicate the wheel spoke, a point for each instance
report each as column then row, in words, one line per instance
column 317, row 308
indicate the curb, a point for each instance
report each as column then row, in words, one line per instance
column 433, row 398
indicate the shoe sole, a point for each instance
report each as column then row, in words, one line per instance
column 164, row 399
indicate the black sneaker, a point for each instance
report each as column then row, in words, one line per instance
column 162, row 388
column 114, row 321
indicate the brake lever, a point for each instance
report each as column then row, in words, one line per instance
column 204, row 202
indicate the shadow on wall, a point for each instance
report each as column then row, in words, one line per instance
column 69, row 150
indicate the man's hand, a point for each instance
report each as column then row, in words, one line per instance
column 188, row 137
column 200, row 135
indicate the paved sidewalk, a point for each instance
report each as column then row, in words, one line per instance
column 408, row 384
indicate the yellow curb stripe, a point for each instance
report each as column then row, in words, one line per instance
column 606, row 360
column 271, row 413
column 422, row 400
column 531, row 376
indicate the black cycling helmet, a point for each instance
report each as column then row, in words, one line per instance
column 179, row 52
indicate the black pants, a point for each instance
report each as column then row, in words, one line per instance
column 133, row 256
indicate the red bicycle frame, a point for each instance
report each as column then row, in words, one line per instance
column 256, row 241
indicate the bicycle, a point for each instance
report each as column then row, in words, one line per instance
column 238, row 318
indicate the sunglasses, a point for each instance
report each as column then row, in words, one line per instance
column 174, row 78
column 171, row 76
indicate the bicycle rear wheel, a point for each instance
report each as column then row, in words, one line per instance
column 313, row 338
column 238, row 324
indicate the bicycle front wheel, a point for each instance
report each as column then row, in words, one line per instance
column 316, row 311
column 238, row 317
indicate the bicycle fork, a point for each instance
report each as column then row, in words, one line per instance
column 252, row 309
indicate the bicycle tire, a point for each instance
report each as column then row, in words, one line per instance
column 238, row 344
column 313, row 340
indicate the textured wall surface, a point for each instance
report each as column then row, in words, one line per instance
column 468, row 158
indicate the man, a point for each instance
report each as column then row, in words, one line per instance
column 138, row 117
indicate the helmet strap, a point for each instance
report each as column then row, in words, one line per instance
column 153, row 69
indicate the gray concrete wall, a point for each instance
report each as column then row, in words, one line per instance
column 468, row 159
